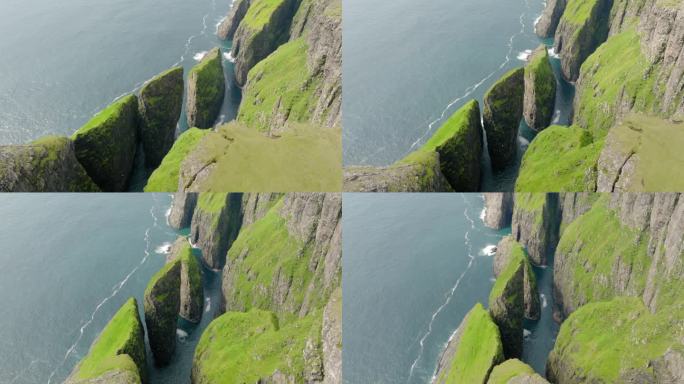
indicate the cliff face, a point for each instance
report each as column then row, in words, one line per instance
column 540, row 90
column 548, row 22
column 182, row 209
column 535, row 224
column 498, row 209
column 503, row 108
column 206, row 89
column 215, row 225
column 229, row 25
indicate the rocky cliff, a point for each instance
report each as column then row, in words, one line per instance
column 535, row 224
column 228, row 26
column 514, row 371
column 540, row 90
column 548, row 22
column 206, row 89
column 509, row 253
column 215, row 224
column 503, row 108
column 507, row 306
column 162, row 304
column 498, row 209
column 182, row 209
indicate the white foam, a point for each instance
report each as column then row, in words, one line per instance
column 553, row 53
column 526, row 333
column 182, row 335
column 200, row 55
column 492, row 279
column 489, row 250
column 163, row 249
column 536, row 21
column 543, row 300
column 218, row 24
column 483, row 213
column 524, row 55
column 523, row 141
column 229, row 56
column 207, row 306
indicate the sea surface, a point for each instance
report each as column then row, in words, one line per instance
column 63, row 61
column 413, row 266
column 409, row 65
column 68, row 263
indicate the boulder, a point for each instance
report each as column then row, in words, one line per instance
column 45, row 165
column 215, row 225
column 472, row 352
column 498, row 209
column 106, row 145
column 514, row 371
column 117, row 356
column 206, row 89
column 182, row 209
column 503, row 107
column 162, row 305
column 507, row 306
column 159, row 105
column 540, row 90
column 510, row 251
column 228, row 26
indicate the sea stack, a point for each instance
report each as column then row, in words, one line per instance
column 540, row 90
column 503, row 106
column 162, row 304
column 206, row 88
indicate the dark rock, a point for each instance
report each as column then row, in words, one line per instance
column 206, row 89
column 45, row 165
column 536, row 220
column 546, row 26
column 503, row 107
column 162, row 304
column 507, row 306
column 508, row 251
column 215, row 225
column 498, row 209
column 159, row 105
column 540, row 90
column 229, row 25
column 106, row 145
column 191, row 288
column 182, row 209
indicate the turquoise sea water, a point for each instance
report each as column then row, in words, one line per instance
column 409, row 65
column 68, row 263
column 413, row 266
column 63, row 61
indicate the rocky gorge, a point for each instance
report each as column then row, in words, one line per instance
column 280, row 315
column 288, row 63
column 617, row 269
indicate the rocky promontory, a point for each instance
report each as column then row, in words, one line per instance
column 540, row 90
column 503, row 108
column 228, row 26
column 162, row 304
column 215, row 225
column 206, row 89
column 182, row 209
column 46, row 165
column 159, row 105
column 548, row 22
column 535, row 224
column 191, row 288
column 106, row 145
column 498, row 209
column 117, row 356
column 507, row 306
column 508, row 252
column 472, row 352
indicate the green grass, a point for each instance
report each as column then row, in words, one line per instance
column 604, row 241
column 617, row 65
column 560, row 159
column 112, row 112
column 165, row 177
column 122, row 333
column 194, row 269
column 272, row 251
column 159, row 275
column 479, row 349
column 517, row 258
column 539, row 66
column 655, row 142
column 455, row 125
column 577, row 12
column 259, row 13
column 280, row 83
column 304, row 158
column 509, row 369
column 604, row 339
column 242, row 347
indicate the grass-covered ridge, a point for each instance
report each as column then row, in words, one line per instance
column 279, row 84
column 119, row 343
column 617, row 71
column 578, row 12
column 244, row 347
column 260, row 12
column 165, row 177
column 478, row 351
column 111, row 112
column 560, row 159
column 508, row 370
column 604, row 340
column 513, row 265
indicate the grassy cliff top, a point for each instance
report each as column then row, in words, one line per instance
column 497, row 86
column 560, row 159
column 159, row 275
column 113, row 111
column 509, row 369
column 207, row 62
column 121, row 331
column 259, row 13
column 456, row 124
column 212, row 202
column 303, row 158
column 165, row 177
column 577, row 12
column 517, row 260
column 244, row 347
column 479, row 349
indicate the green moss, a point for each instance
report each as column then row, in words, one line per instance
column 162, row 273
column 517, row 258
column 605, row 243
column 560, row 159
column 260, row 12
column 508, row 370
column 282, row 84
column 539, row 71
column 209, row 85
column 242, row 347
column 165, row 177
column 601, row 341
column 578, row 12
column 194, row 270
column 122, row 336
column 112, row 112
column 303, row 158
column 478, row 351
column 616, row 71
